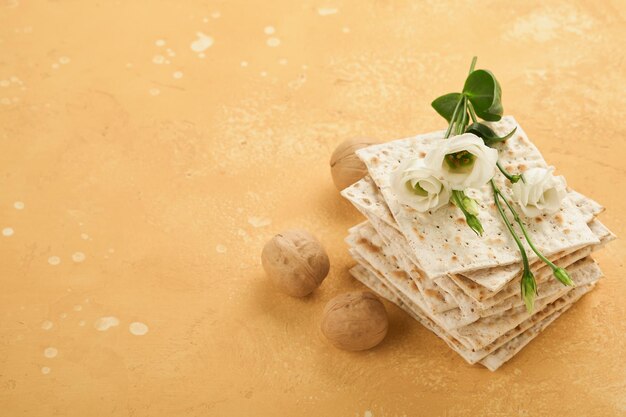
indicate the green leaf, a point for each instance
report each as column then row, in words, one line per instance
column 487, row 134
column 446, row 104
column 483, row 90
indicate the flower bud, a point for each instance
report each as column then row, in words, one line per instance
column 474, row 224
column 562, row 275
column 470, row 205
column 529, row 289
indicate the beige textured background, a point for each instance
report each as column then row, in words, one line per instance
column 170, row 186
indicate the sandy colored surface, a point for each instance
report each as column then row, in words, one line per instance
column 170, row 186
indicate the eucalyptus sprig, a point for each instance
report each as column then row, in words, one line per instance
column 481, row 97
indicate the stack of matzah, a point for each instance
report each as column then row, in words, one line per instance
column 465, row 288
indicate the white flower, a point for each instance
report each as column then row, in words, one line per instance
column 417, row 186
column 464, row 161
column 541, row 191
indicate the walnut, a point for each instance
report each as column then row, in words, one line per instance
column 296, row 262
column 345, row 167
column 355, row 321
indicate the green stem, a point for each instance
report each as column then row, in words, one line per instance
column 453, row 119
column 526, row 236
column 461, row 128
column 472, row 112
column 560, row 273
column 497, row 195
column 474, row 59
column 512, row 178
column 457, row 196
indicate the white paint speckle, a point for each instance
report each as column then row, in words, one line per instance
column 78, row 257
column 82, row 323
column 170, row 52
column 221, row 248
column 50, row 352
column 84, row 236
column 47, row 325
column 64, row 60
column 259, row 221
column 216, row 15
column 158, row 59
column 8, row 231
column 269, row 30
column 159, row 42
column 327, row 11
column 19, row 205
column 202, row 42
column 105, row 323
column 154, row 91
column 177, row 75
column 138, row 328
column 244, row 63
column 45, row 370
column 263, row 73
column 54, row 260
column 273, row 42
column 345, row 29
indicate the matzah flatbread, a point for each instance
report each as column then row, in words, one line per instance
column 362, row 239
column 503, row 349
column 483, row 297
column 478, row 333
column 366, row 197
column 486, row 297
column 443, row 241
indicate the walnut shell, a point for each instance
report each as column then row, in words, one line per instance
column 345, row 167
column 296, row 262
column 355, row 321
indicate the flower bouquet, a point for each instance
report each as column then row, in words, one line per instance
column 470, row 231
